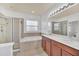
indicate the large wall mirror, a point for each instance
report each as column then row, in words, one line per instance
column 59, row 27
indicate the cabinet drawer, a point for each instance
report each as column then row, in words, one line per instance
column 57, row 44
column 70, row 50
column 65, row 53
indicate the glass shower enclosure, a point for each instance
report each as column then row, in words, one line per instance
column 10, row 31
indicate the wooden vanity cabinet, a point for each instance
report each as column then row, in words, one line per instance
column 65, row 53
column 48, row 47
column 44, row 43
column 54, row 48
column 69, row 51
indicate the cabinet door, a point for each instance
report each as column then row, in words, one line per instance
column 43, row 43
column 55, row 50
column 64, row 53
column 48, row 46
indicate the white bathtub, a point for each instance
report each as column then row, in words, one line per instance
column 31, row 38
column 6, row 49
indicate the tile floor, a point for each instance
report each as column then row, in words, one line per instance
column 31, row 48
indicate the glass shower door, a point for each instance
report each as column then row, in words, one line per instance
column 4, row 34
column 16, row 33
column 10, row 31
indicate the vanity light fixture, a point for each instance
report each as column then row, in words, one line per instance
column 62, row 8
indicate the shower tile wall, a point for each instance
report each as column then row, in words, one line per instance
column 9, row 31
column 5, row 30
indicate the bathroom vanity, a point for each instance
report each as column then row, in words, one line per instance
column 60, row 45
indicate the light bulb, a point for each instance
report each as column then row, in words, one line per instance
column 33, row 11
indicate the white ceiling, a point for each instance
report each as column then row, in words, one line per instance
column 31, row 8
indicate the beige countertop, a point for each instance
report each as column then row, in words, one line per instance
column 69, row 41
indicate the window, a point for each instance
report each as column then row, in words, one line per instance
column 31, row 26
column 56, row 26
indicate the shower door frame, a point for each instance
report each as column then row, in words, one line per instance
column 20, row 32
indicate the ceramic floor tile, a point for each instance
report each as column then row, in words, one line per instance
column 31, row 49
